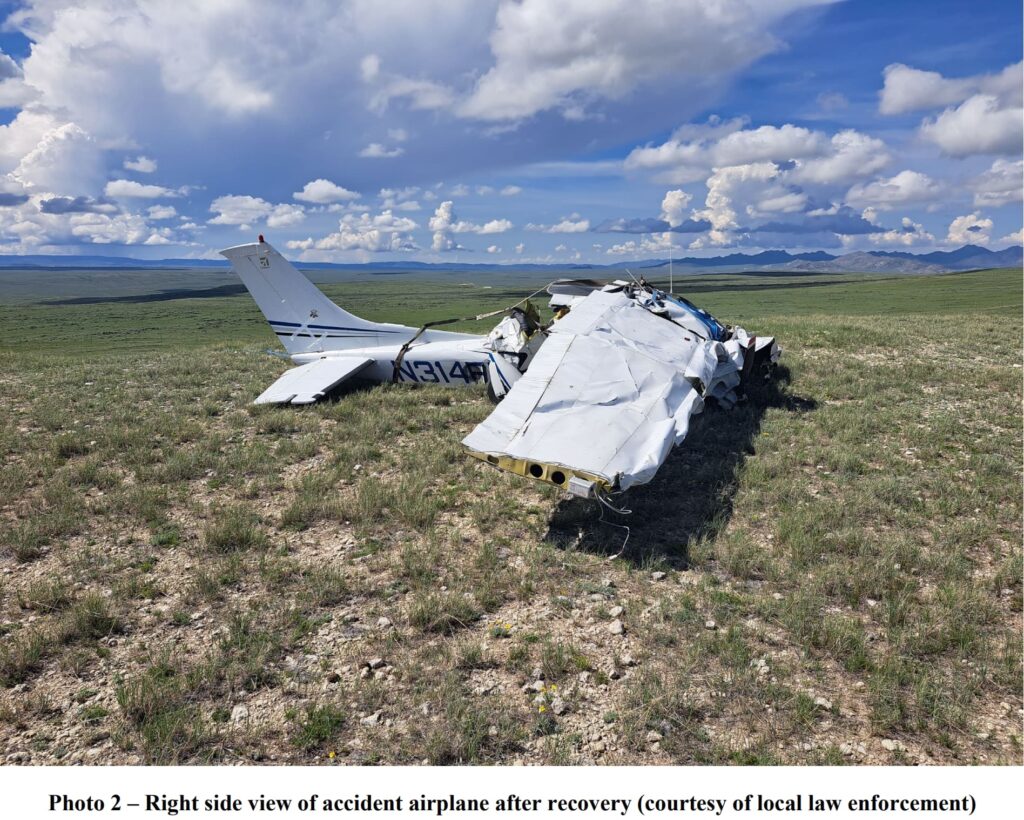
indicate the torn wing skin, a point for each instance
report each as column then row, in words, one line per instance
column 614, row 387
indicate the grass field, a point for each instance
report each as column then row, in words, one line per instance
column 828, row 574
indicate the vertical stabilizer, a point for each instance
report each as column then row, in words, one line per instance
column 303, row 318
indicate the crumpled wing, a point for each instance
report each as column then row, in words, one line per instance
column 309, row 382
column 605, row 399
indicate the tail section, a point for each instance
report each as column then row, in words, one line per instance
column 303, row 318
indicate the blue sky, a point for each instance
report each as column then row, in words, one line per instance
column 576, row 131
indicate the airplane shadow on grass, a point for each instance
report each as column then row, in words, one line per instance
column 691, row 497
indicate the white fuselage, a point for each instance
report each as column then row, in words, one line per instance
column 436, row 357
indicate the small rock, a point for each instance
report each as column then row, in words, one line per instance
column 383, row 623
column 240, row 713
column 608, row 582
column 614, row 674
column 824, row 703
column 846, row 749
column 597, row 746
column 893, row 745
column 658, row 576
column 653, row 737
column 777, row 596
column 629, row 660
column 616, row 627
column 537, row 673
column 365, row 673
column 333, row 677
column 425, row 709
column 536, row 686
column 492, row 731
column 99, row 737
column 616, row 611
column 375, row 663
column 371, row 720
column 559, row 707
column 710, row 624
column 583, row 677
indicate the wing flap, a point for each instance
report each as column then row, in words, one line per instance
column 309, row 382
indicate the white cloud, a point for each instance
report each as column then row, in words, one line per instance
column 376, row 150
column 376, row 234
column 999, row 185
column 444, row 223
column 767, row 143
column 851, row 155
column 130, row 189
column 674, row 205
column 285, row 215
column 565, row 55
column 493, row 249
column 726, row 185
column 570, row 225
column 692, row 152
column 901, row 189
column 910, row 89
column 520, row 248
column 44, row 153
column 323, row 191
column 121, row 229
column 970, row 229
column 511, row 190
column 1015, row 238
column 161, row 212
column 980, row 125
column 239, row 210
column 909, row 233
column 143, row 165
column 459, row 190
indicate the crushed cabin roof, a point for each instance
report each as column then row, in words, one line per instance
column 613, row 388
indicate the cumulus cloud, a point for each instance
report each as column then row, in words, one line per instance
column 161, row 212
column 444, row 223
column 323, row 191
column 245, row 210
column 143, row 165
column 901, row 189
column 511, row 190
column 910, row 89
column 45, row 154
column 981, row 125
column 380, row 233
column 130, row 189
column 674, row 205
column 970, row 229
column 565, row 55
column 850, row 155
column 693, row 152
column 1001, row 184
column 1015, row 238
column 909, row 233
column 493, row 249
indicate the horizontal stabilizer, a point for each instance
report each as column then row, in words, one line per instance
column 306, row 384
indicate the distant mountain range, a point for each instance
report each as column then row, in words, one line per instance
column 969, row 257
